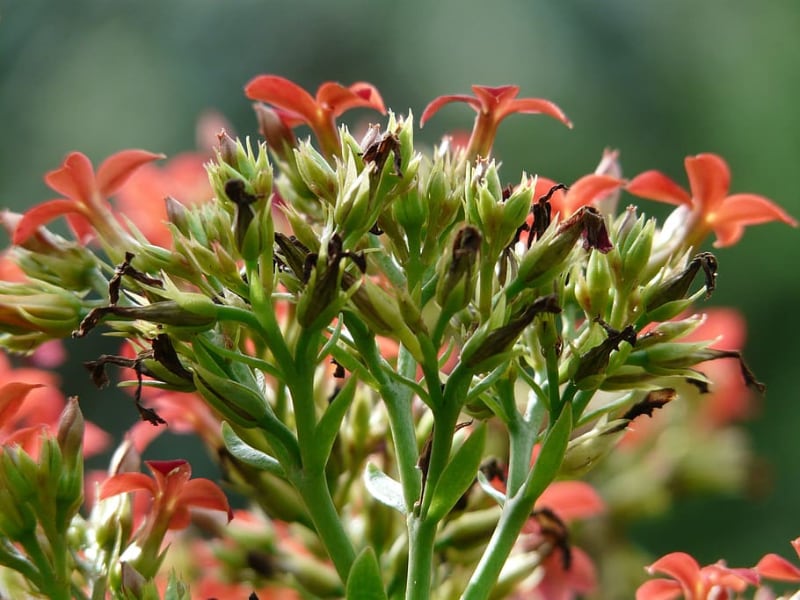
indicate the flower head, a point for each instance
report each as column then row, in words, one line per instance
column 172, row 490
column 84, row 193
column 708, row 206
column 295, row 106
column 692, row 582
column 493, row 104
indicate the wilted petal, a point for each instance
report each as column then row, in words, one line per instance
column 654, row 185
column 74, row 178
column 709, row 180
column 116, row 169
column 42, row 214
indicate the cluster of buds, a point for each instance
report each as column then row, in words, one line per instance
column 349, row 321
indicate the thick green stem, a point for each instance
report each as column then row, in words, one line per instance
column 515, row 513
column 421, row 534
column 328, row 524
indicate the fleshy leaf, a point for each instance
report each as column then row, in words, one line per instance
column 459, row 474
column 249, row 455
column 384, row 489
column 364, row 581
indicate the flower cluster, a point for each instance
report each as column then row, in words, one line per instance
column 418, row 374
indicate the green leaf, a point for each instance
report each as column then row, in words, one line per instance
column 490, row 490
column 176, row 589
column 364, row 581
column 384, row 489
column 551, row 454
column 249, row 455
column 328, row 427
column 459, row 474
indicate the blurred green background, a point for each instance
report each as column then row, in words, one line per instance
column 658, row 80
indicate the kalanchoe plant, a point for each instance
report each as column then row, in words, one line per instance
column 401, row 360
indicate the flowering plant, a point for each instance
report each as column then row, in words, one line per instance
column 416, row 376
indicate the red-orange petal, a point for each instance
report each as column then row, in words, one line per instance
column 751, row 209
column 74, row 178
column 204, row 493
column 680, row 566
column 654, row 185
column 12, row 395
column 41, row 214
column 773, row 566
column 588, row 190
column 437, row 103
column 116, row 169
column 534, row 106
column 492, row 97
column 572, row 500
column 123, row 483
column 659, row 589
column 284, row 94
column 709, row 180
column 338, row 99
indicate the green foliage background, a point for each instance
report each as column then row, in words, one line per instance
column 659, row 80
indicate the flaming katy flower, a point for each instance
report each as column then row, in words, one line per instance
column 775, row 567
column 493, row 104
column 172, row 490
column 295, row 106
column 691, row 582
column 708, row 206
column 85, row 193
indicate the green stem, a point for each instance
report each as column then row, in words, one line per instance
column 316, row 495
column 421, row 535
column 515, row 513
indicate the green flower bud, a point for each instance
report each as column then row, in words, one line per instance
column 593, row 366
column 636, row 254
column 588, row 449
column 593, row 291
column 234, row 401
column 316, row 173
column 37, row 308
column 456, row 284
column 193, row 314
column 70, row 433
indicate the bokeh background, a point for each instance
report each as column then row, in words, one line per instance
column 658, row 80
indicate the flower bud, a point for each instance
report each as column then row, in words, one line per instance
column 234, row 401
column 549, row 254
column 669, row 295
column 316, row 173
column 593, row 365
column 37, row 308
column 279, row 136
column 456, row 284
column 636, row 254
column 70, row 432
column 588, row 449
column 500, row 340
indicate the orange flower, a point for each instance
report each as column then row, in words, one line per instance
column 172, row 490
column 84, row 194
column 691, row 582
column 708, row 207
column 295, row 106
column 493, row 104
